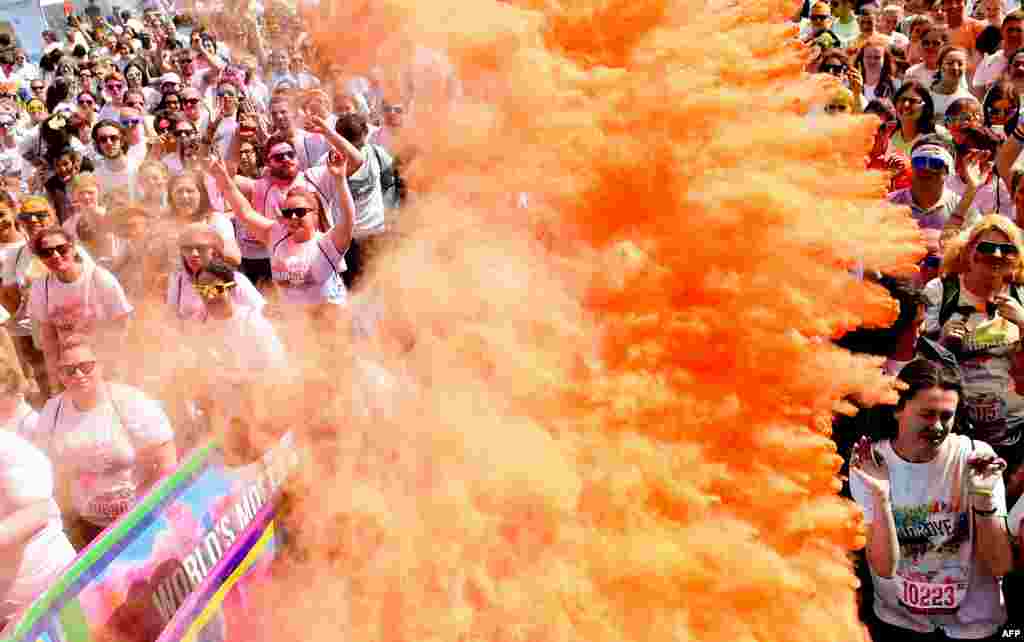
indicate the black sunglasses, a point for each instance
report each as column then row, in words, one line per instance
column 989, row 248
column 833, row 69
column 33, row 216
column 295, row 212
column 85, row 367
column 63, row 249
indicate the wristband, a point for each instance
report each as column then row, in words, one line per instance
column 984, row 513
column 1017, row 134
column 982, row 492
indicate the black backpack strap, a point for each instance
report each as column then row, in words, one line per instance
column 950, row 298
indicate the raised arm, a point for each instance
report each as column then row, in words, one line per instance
column 353, row 156
column 256, row 223
column 341, row 233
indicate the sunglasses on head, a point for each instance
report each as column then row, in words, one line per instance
column 988, row 248
column 33, row 216
column 928, row 162
column 213, row 290
column 283, row 156
column 64, row 249
column 295, row 212
column 85, row 367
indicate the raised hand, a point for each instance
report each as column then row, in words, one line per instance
column 870, row 468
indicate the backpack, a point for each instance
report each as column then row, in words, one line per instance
column 951, row 297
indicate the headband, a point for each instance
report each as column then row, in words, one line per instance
column 281, row 147
column 933, row 151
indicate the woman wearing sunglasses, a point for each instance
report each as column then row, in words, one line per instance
column 76, row 297
column 88, row 108
column 932, row 43
column 976, row 311
column 109, row 443
column 1001, row 104
column 306, row 257
column 199, row 244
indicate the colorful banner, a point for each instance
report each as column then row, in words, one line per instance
column 130, row 582
column 218, row 610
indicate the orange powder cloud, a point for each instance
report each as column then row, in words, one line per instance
column 612, row 421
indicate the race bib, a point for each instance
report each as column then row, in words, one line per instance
column 932, row 599
column 107, row 507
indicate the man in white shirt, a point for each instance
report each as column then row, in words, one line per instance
column 992, row 67
column 309, row 147
column 114, row 168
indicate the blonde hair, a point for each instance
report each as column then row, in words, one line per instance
column 84, row 181
column 957, row 257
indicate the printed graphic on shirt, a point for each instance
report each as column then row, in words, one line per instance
column 73, row 315
column 293, row 264
column 932, row 538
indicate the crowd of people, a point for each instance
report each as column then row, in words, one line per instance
column 193, row 172
column 202, row 173
column 939, row 475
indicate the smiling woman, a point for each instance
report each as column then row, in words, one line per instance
column 75, row 298
column 976, row 310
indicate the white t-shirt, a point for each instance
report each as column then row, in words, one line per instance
column 26, row 477
column 268, row 195
column 931, row 505
column 75, row 307
column 367, row 195
column 21, row 268
column 308, row 272
column 120, row 177
column 246, row 341
column 100, row 447
column 182, row 295
column 990, row 69
column 943, row 101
